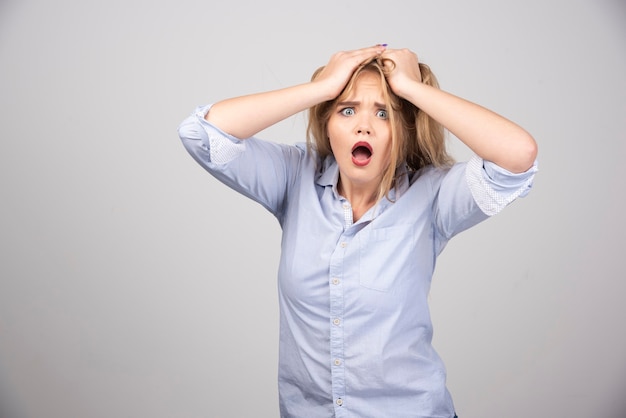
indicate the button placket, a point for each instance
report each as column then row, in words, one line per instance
column 336, row 322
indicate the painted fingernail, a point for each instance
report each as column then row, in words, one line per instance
column 383, row 44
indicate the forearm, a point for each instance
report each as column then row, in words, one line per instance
column 489, row 135
column 247, row 115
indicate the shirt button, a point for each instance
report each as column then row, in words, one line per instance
column 344, row 245
column 339, row 401
column 337, row 362
column 335, row 281
column 336, row 321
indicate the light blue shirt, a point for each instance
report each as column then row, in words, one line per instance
column 355, row 328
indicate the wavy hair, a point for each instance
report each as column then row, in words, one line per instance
column 417, row 140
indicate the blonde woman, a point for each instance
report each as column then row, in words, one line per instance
column 365, row 206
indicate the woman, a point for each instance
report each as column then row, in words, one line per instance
column 365, row 208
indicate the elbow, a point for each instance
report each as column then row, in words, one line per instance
column 525, row 155
column 531, row 150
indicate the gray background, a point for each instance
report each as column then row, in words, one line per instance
column 134, row 285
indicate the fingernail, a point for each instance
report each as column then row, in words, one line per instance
column 383, row 45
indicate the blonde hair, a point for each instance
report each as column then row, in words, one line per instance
column 416, row 138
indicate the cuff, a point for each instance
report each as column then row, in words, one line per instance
column 223, row 148
column 494, row 187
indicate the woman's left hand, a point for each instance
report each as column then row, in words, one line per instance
column 403, row 69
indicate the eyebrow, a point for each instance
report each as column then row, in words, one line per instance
column 377, row 104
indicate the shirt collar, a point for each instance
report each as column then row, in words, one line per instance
column 402, row 182
column 401, row 186
column 329, row 176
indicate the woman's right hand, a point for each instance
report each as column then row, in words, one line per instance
column 336, row 74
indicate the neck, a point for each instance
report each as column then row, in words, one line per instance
column 361, row 198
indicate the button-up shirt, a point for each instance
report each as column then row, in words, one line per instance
column 355, row 328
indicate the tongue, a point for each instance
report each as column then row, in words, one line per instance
column 361, row 154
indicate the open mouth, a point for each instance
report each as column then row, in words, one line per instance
column 361, row 153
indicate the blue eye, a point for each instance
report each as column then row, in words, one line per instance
column 382, row 114
column 347, row 111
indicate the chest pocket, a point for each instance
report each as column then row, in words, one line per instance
column 385, row 255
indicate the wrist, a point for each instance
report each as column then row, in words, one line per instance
column 412, row 91
column 325, row 90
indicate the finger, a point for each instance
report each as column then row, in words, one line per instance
column 370, row 51
column 388, row 64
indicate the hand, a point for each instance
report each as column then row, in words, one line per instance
column 336, row 74
column 402, row 68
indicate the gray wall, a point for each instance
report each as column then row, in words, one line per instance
column 134, row 285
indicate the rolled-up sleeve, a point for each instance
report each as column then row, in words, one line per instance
column 207, row 144
column 494, row 187
column 470, row 192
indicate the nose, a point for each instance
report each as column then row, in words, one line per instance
column 364, row 126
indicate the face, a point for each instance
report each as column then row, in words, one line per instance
column 360, row 134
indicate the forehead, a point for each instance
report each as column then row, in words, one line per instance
column 365, row 83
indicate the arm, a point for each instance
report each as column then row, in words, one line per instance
column 491, row 136
column 245, row 116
